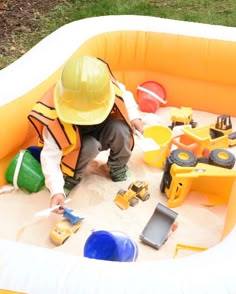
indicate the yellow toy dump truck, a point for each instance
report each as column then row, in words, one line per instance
column 183, row 174
column 136, row 190
column 182, row 116
column 202, row 140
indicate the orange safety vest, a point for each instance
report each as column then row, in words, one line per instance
column 66, row 135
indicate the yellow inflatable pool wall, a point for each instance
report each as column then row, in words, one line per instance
column 195, row 71
column 196, row 64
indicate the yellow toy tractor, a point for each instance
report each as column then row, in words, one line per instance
column 183, row 173
column 182, row 116
column 137, row 190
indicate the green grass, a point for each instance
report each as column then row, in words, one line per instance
column 222, row 12
column 219, row 12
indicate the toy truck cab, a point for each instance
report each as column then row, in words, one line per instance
column 223, row 127
column 141, row 190
column 224, row 124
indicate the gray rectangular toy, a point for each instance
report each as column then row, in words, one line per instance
column 159, row 226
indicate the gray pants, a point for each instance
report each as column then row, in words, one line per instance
column 112, row 134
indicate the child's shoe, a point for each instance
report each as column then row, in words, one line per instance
column 119, row 174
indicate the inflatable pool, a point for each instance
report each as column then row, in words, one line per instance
column 196, row 63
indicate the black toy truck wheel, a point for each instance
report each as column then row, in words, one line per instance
column 193, row 124
column 121, row 192
column 162, row 184
column 166, row 177
column 133, row 202
column 222, row 158
column 65, row 240
column 180, row 157
column 146, row 196
column 183, row 157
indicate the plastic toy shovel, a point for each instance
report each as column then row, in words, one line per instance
column 146, row 144
column 46, row 212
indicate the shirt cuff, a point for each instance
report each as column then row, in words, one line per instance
column 56, row 191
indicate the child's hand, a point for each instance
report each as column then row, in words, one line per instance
column 58, row 199
column 137, row 124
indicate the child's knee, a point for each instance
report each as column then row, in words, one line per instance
column 90, row 148
column 120, row 128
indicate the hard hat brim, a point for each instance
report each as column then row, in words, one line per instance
column 74, row 116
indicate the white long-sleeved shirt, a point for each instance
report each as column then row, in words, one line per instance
column 51, row 154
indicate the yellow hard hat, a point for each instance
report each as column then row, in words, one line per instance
column 84, row 95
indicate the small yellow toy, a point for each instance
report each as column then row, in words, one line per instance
column 137, row 190
column 182, row 116
column 65, row 228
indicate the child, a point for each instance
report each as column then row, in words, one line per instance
column 86, row 112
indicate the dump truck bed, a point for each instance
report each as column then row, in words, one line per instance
column 159, row 226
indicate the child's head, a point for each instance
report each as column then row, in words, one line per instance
column 84, row 95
